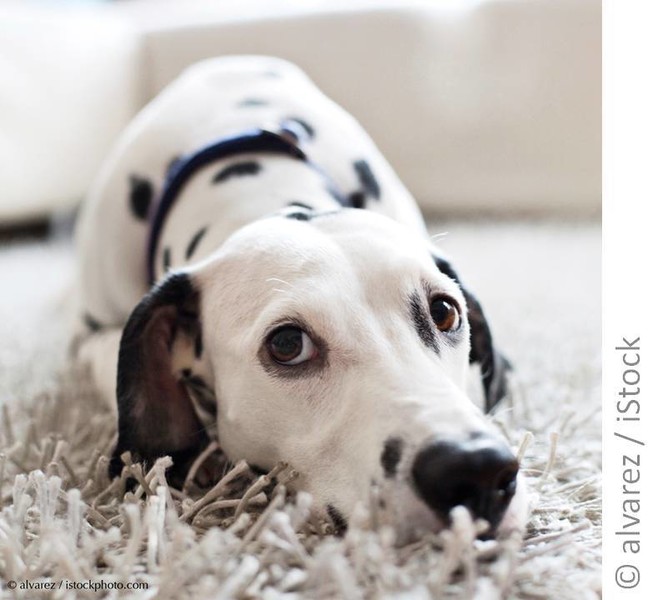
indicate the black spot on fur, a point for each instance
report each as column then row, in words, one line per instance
column 391, row 455
column 300, row 205
column 252, row 102
column 367, row 179
column 91, row 323
column 446, row 268
column 424, row 328
column 357, row 200
column 238, row 169
column 198, row 345
column 337, row 518
column 299, row 215
column 299, row 128
column 141, row 193
column 194, row 242
column 166, row 259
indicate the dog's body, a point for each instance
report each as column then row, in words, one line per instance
column 357, row 301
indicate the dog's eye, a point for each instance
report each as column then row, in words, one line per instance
column 290, row 345
column 445, row 314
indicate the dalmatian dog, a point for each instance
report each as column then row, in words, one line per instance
column 252, row 271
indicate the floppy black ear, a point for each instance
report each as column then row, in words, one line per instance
column 156, row 354
column 493, row 365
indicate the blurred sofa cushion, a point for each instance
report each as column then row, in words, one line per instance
column 488, row 107
column 69, row 87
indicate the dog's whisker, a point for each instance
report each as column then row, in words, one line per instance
column 277, row 280
column 439, row 236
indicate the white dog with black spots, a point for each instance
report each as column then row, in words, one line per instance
column 253, row 271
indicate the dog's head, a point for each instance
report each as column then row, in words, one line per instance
column 336, row 342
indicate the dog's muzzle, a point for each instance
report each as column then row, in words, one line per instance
column 478, row 473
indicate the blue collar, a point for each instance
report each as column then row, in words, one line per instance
column 256, row 140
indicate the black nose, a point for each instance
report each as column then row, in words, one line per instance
column 478, row 473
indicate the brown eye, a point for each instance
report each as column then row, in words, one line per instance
column 290, row 345
column 445, row 314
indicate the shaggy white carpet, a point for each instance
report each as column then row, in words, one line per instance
column 63, row 524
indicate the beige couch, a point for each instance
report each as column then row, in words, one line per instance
column 483, row 107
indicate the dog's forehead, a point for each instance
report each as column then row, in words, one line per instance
column 332, row 240
column 347, row 262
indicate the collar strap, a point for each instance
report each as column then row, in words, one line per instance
column 256, row 140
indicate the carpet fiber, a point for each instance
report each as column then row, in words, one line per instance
column 64, row 523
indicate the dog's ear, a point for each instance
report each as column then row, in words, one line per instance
column 157, row 351
column 493, row 365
